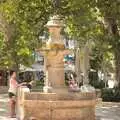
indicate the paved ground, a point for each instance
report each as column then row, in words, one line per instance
column 108, row 111
column 4, row 111
column 104, row 111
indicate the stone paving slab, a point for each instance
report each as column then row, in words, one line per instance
column 108, row 111
column 104, row 111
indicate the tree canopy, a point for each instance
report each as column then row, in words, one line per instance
column 26, row 19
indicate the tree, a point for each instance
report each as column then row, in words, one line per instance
column 26, row 20
column 5, row 35
column 110, row 11
column 98, row 20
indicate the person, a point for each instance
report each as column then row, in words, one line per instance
column 13, row 85
column 73, row 86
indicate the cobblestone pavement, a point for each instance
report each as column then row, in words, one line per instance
column 104, row 111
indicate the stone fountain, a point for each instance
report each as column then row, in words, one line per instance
column 56, row 102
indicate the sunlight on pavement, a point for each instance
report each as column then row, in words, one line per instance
column 2, row 110
column 7, row 118
column 108, row 111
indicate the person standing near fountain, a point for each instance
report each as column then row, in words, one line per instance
column 12, row 92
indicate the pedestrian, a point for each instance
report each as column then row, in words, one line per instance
column 12, row 92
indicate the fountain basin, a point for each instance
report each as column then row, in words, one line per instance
column 56, row 106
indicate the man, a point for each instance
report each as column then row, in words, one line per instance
column 13, row 85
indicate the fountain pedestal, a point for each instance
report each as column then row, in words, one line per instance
column 55, row 67
column 60, row 104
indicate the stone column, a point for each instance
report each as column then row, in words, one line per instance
column 56, row 68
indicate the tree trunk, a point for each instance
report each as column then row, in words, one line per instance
column 16, row 65
column 113, row 30
column 86, row 62
column 117, row 66
column 6, row 28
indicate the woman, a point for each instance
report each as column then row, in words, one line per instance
column 12, row 92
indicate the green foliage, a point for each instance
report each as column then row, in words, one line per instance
column 99, row 21
column 40, row 83
column 94, row 80
column 102, row 57
column 27, row 19
column 111, row 95
column 4, row 56
column 1, row 40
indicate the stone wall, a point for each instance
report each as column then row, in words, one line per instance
column 59, row 110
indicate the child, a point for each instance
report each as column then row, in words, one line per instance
column 12, row 92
